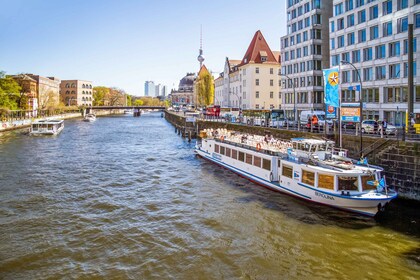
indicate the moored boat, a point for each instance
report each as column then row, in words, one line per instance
column 311, row 169
column 46, row 127
column 89, row 117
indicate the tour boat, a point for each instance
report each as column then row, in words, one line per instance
column 90, row 117
column 46, row 127
column 311, row 169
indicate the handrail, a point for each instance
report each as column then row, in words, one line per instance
column 368, row 150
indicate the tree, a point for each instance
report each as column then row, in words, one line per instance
column 99, row 94
column 138, row 102
column 9, row 92
column 115, row 97
column 204, row 87
column 129, row 100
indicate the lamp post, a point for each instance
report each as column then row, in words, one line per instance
column 360, row 105
column 294, row 98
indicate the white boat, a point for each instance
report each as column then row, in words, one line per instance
column 90, row 117
column 310, row 169
column 46, row 127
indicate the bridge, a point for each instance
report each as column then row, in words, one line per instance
column 126, row 107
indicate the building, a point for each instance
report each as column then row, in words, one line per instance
column 253, row 82
column 29, row 91
column 164, row 92
column 149, row 88
column 158, row 90
column 370, row 39
column 185, row 94
column 48, row 91
column 305, row 52
column 76, row 92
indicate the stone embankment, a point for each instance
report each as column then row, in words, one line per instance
column 400, row 159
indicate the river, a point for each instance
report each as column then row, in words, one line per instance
column 126, row 198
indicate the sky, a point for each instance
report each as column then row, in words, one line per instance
column 123, row 43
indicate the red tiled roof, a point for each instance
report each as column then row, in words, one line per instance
column 277, row 55
column 257, row 48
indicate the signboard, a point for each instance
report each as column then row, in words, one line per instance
column 350, row 114
column 355, row 88
column 190, row 119
column 331, row 112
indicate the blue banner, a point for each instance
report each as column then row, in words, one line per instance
column 331, row 87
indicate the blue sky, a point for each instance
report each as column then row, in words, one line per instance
column 124, row 43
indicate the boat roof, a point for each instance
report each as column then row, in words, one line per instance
column 311, row 141
column 47, row 121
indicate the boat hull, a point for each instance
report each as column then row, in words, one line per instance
column 368, row 206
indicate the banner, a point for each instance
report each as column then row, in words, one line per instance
column 331, row 112
column 331, row 87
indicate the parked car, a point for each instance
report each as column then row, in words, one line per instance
column 348, row 124
column 370, row 126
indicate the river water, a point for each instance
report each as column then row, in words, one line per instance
column 126, row 198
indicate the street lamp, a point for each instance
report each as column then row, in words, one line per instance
column 360, row 104
column 294, row 97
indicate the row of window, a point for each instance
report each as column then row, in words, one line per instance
column 377, row 52
column 314, row 4
column 302, row 67
column 314, row 49
column 73, row 92
column 303, row 98
column 383, row 72
column 244, row 157
column 303, row 82
column 257, row 71
column 349, row 5
column 257, row 82
column 73, row 85
column 302, row 37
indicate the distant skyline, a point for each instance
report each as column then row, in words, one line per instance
column 125, row 43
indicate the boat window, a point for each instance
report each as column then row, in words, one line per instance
column 227, row 152
column 322, row 147
column 348, row 183
column 248, row 159
column 257, row 161
column 287, row 171
column 365, row 180
column 308, row 177
column 234, row 154
column 35, row 128
column 241, row 156
column 266, row 164
column 216, row 148
column 222, row 150
column 326, row 181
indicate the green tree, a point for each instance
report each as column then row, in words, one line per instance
column 99, row 94
column 129, row 100
column 9, row 92
column 205, row 87
column 138, row 102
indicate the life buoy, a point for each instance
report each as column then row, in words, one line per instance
column 258, row 147
column 222, row 138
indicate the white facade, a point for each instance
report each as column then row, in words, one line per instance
column 372, row 35
column 305, row 52
column 149, row 88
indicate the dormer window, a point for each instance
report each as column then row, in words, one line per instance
column 263, row 56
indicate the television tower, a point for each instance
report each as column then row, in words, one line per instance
column 200, row 57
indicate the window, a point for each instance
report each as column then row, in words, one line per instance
column 380, row 51
column 332, row 26
column 394, row 71
column 350, row 20
column 340, row 23
column 248, row 158
column 305, row 51
column 394, row 49
column 305, row 36
column 241, row 156
column 406, row 69
column 387, row 7
column 417, row 20
column 266, row 164
column 368, row 74
column 345, row 76
column 257, row 70
column 373, row 12
column 355, row 55
column 349, row 5
column 402, row 4
column 257, row 82
column 340, row 41
column 216, row 148
column 345, row 56
column 338, row 9
column 414, row 45
column 361, row 16
column 374, row 32
column 360, row 3
column 287, row 171
column 227, row 152
column 367, row 54
column 222, row 150
column 257, row 161
column 362, row 35
column 387, row 29
column 380, row 72
column 402, row 24
column 257, row 94
column 348, row 183
column 271, row 70
column 308, row 177
column 350, row 38
column 332, row 43
column 271, row 83
column 234, row 154
column 326, row 181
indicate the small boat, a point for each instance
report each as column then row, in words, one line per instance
column 46, row 127
column 310, row 169
column 90, row 117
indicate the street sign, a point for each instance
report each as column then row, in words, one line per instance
column 356, row 88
